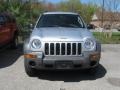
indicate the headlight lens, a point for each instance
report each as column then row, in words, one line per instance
column 89, row 44
column 36, row 44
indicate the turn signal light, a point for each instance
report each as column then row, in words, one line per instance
column 30, row 56
column 95, row 57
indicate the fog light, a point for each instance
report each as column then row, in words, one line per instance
column 92, row 63
column 32, row 63
column 30, row 56
column 95, row 57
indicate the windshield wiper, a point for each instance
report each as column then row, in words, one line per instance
column 71, row 25
column 53, row 26
column 63, row 25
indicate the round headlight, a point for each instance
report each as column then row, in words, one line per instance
column 36, row 44
column 89, row 44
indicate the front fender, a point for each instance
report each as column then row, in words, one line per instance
column 26, row 47
column 98, row 46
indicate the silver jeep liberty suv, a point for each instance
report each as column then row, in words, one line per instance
column 60, row 41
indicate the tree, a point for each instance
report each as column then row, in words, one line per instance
column 87, row 11
column 112, row 6
column 3, row 5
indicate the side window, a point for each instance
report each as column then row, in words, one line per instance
column 2, row 20
column 80, row 21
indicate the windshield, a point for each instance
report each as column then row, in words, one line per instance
column 60, row 20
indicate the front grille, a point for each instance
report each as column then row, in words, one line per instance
column 63, row 48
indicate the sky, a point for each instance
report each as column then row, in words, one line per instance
column 98, row 2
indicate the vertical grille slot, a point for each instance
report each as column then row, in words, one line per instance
column 79, row 48
column 57, row 49
column 46, row 48
column 68, row 48
column 63, row 49
column 73, row 48
column 51, row 48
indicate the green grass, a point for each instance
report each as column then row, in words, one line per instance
column 115, row 39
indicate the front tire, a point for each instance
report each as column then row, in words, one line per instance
column 14, row 42
column 93, row 71
column 29, row 71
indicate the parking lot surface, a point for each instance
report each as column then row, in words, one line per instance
column 13, row 76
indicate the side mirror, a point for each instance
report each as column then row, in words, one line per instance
column 90, row 26
column 31, row 27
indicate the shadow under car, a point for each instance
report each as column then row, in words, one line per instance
column 9, row 56
column 71, row 76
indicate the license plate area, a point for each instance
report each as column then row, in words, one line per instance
column 64, row 65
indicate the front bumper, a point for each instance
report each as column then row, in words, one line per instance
column 85, row 61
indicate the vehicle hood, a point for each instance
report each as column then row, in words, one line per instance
column 61, row 34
